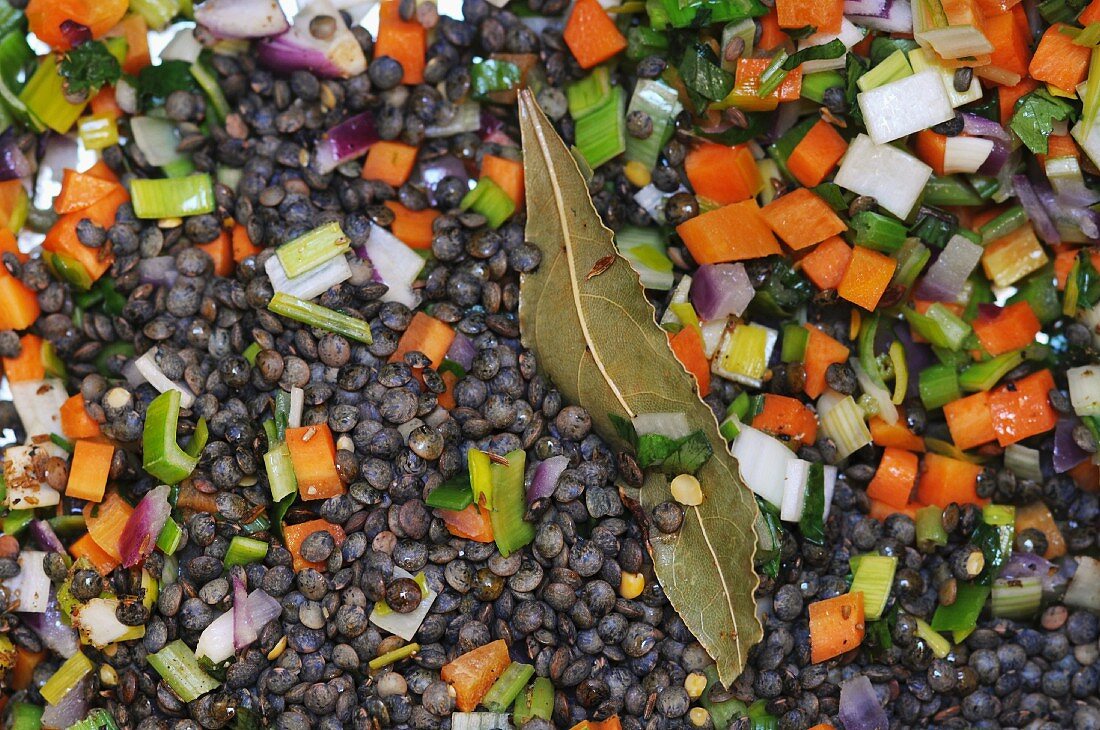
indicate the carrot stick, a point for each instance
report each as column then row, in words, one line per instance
column 826, row 264
column 46, row 16
column 1022, row 408
column 1037, row 516
column 824, row 15
column 242, row 244
column 89, row 469
column 80, row 190
column 405, row 41
column 1012, row 328
column 221, row 250
column 472, row 674
column 836, row 626
column 895, row 478
column 313, row 454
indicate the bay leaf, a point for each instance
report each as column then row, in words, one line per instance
column 597, row 340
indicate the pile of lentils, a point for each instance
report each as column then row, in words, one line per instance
column 556, row 603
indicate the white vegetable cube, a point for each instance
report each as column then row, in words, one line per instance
column 744, row 353
column 25, row 490
column 712, row 332
column 1084, row 589
column 849, row 35
column 891, row 176
column 965, row 154
column 762, row 461
column 38, row 403
column 1084, row 389
column 404, row 625
column 905, row 106
column 794, row 490
column 922, row 60
column 30, row 588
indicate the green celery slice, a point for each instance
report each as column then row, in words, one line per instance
column 180, row 670
column 322, row 317
column 510, row 530
column 162, row 456
column 507, row 687
column 172, row 197
column 313, row 248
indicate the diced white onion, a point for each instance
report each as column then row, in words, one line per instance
column 905, row 106
column 467, row 118
column 850, row 34
column 672, row 425
column 396, row 264
column 297, row 403
column 182, row 47
column 147, row 366
column 955, row 41
column 652, row 201
column 24, row 489
column 157, row 139
column 965, row 154
column 762, row 461
column 894, row 178
column 30, row 588
column 38, row 403
column 922, row 59
column 1084, row 389
column 481, row 721
column 404, row 625
column 712, row 335
column 794, row 490
column 98, row 624
column 887, row 411
column 312, row 283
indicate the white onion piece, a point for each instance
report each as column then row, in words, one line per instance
column 147, row 366
column 312, row 283
column 29, row 591
column 216, row 640
column 396, row 265
column 905, row 106
column 893, row 177
column 1084, row 389
column 38, row 403
column 297, row 403
column 481, row 721
column 830, row 487
column 794, row 490
column 679, row 295
column 762, row 461
column 965, row 154
column 712, row 332
column 404, row 625
column 243, row 18
column 183, row 47
column 97, row 622
column 25, row 489
column 887, row 411
column 157, row 139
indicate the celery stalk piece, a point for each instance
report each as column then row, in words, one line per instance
column 939, row 385
column 963, row 613
column 394, row 656
column 1003, row 224
column 214, row 94
column 930, row 532
column 163, row 458
column 198, row 439
column 601, row 135
column 588, row 94
column 1016, row 599
column 481, row 477
column 878, row 232
column 321, row 317
column 66, row 677
column 892, row 68
column 984, row 375
column 25, row 716
column 952, row 327
column 453, row 494
column 244, row 550
column 157, row 13
column 177, row 666
column 795, row 338
column 912, row 258
column 280, row 472
column 170, row 537
column 510, row 530
column 98, row 131
column 537, row 700
column 507, row 687
column 661, row 102
column 97, row 719
column 311, row 249
column 173, row 198
column 936, row 641
column 874, row 578
column 44, row 98
column 490, row 200
column 845, row 425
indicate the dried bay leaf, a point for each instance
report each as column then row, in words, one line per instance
column 597, row 339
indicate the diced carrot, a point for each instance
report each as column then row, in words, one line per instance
column 1014, row 327
column 470, row 523
column 106, row 521
column 826, row 264
column 880, row 510
column 136, row 32
column 46, row 16
column 89, row 468
column 75, row 421
column 1086, row 476
column 506, row 173
column 771, row 35
column 1037, row 516
column 723, row 174
column 447, row 398
column 897, row 434
column 816, row 154
column 427, row 335
column 787, row 419
column 221, row 250
column 823, row 726
column 962, row 12
column 62, row 237
column 22, row 673
column 80, row 190
column 611, row 723
column 687, row 346
column 824, row 15
column 390, row 162
column 295, row 535
column 945, row 480
column 242, row 244
column 734, row 232
column 103, row 171
column 1090, row 15
column 413, row 227
column 970, row 421
column 405, row 41
column 801, row 218
column 104, row 103
column 1059, row 145
column 1007, row 96
column 747, row 80
column 27, row 365
column 821, row 352
column 1059, row 61
column 995, row 7
column 930, row 148
column 836, row 626
column 472, row 674
column 591, row 34
column 867, row 277
column 1022, row 408
column 895, row 478
column 88, row 548
column 1010, row 43
column 313, row 454
column 20, row 305
column 12, row 195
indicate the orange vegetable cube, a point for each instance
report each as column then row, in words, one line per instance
column 27, row 365
column 1037, row 515
column 897, row 435
column 867, row 277
column 241, row 244
column 946, row 480
column 507, row 173
column 687, row 346
column 801, row 218
column 90, row 467
column 313, row 454
column 295, row 535
column 46, row 16
column 930, row 148
column 390, row 162
column 816, row 154
column 427, row 335
column 405, row 41
column 821, row 352
column 734, row 232
column 1090, row 15
column 970, row 421
column 75, row 421
column 80, row 190
column 86, row 547
column 895, row 478
column 1022, row 408
column 787, row 419
column 723, row 174
column 20, row 304
column 591, row 34
column 826, row 264
column 825, row 15
column 1013, row 328
column 136, row 32
column 1010, row 43
column 221, row 251
column 470, row 523
column 412, row 227
column 836, row 626
column 1059, row 61
column 106, row 521
column 747, row 80
column 472, row 674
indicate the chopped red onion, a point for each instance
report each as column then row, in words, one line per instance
column 396, row 265
column 997, row 158
column 46, row 538
column 55, row 634
column 489, row 123
column 859, row 706
column 429, row 173
column 13, row 163
column 873, row 8
column 244, row 630
column 349, row 139
column 719, row 290
column 216, row 641
column 242, row 18
column 896, row 18
column 338, row 56
column 1035, row 210
column 545, row 479
column 70, row 710
column 75, row 33
column 159, row 270
column 462, row 351
column 1067, row 454
column 947, row 276
column 978, row 126
column 139, row 537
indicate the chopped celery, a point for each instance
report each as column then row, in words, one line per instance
column 601, row 134
column 684, row 13
column 952, row 328
column 590, row 93
column 730, row 427
column 490, row 200
column 892, row 68
column 280, row 472
column 97, row 719
column 760, row 718
column 745, row 29
column 930, row 532
column 251, row 352
column 162, row 456
column 537, row 700
column 74, row 669
column 479, row 465
column 844, row 424
column 177, row 666
column 744, row 354
column 510, row 531
column 815, row 85
column 934, row 226
column 213, row 90
column 911, row 258
column 901, row 373
column 44, row 98
column 1024, row 462
column 950, row 190
column 170, row 537
column 1016, row 599
column 1003, row 224
column 321, row 317
column 393, row 656
column 198, row 439
column 69, row 269
column 15, row 521
column 245, row 550
column 453, row 494
column 661, row 103
column 795, row 338
column 936, row 641
column 25, row 716
column 173, row 198
column 723, row 712
column 963, row 613
column 157, row 13
column 874, row 578
column 773, row 75
column 98, row 131
column 939, row 385
column 984, row 375
column 313, row 248
column 642, row 41
column 876, row 231
column 507, row 687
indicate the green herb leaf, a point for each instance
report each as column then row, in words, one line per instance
column 89, row 67
column 1033, row 120
column 653, row 449
column 812, row 523
column 854, row 67
column 703, row 75
column 155, row 83
column 610, row 355
column 689, row 455
column 832, row 49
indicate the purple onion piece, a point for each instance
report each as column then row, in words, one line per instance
column 872, row 8
column 55, row 634
column 545, row 479
column 244, row 629
column 998, row 156
column 429, row 173
column 346, row 141
column 70, row 709
column 46, row 538
column 490, row 124
column 719, row 290
column 1035, row 210
column 242, row 18
column 1067, row 454
column 978, row 126
column 338, row 56
column 1026, row 565
column 897, row 18
column 859, row 706
column 139, row 537
column 13, row 163
column 462, row 351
